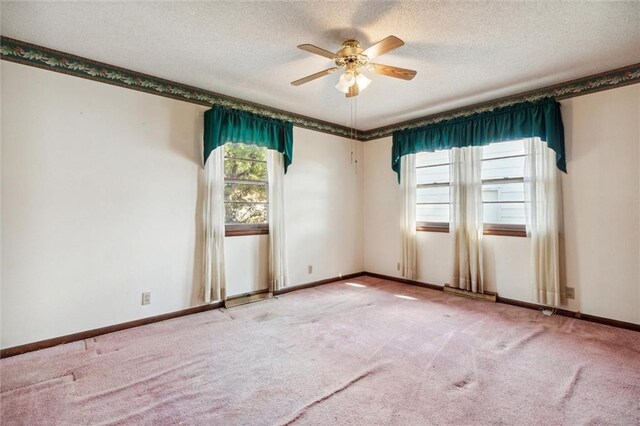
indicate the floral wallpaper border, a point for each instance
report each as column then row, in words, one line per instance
column 41, row 57
column 29, row 54
column 582, row 86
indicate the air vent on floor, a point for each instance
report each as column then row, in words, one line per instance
column 243, row 299
column 487, row 297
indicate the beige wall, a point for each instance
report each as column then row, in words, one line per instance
column 602, row 202
column 601, row 206
column 323, row 203
column 99, row 203
column 99, row 187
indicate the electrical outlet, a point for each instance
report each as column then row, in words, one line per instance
column 146, row 298
column 398, row 266
column 310, row 269
column 571, row 293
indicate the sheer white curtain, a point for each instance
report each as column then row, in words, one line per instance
column 543, row 207
column 213, row 217
column 466, row 226
column 277, row 241
column 409, row 245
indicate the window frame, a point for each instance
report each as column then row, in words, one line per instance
column 244, row 229
column 502, row 229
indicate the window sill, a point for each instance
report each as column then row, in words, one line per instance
column 505, row 230
column 243, row 230
column 432, row 227
column 489, row 229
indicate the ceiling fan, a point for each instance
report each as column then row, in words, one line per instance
column 352, row 58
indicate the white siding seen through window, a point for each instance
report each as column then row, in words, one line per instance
column 502, row 188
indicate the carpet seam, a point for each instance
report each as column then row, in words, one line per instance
column 303, row 410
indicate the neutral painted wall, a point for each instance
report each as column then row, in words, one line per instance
column 99, row 188
column 323, row 203
column 602, row 202
column 601, row 207
column 246, row 264
column 100, row 197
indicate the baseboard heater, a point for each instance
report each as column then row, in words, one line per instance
column 487, row 297
column 243, row 299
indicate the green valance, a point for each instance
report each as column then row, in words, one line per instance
column 524, row 120
column 222, row 125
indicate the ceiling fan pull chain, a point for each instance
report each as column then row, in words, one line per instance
column 351, row 128
column 355, row 114
column 355, row 105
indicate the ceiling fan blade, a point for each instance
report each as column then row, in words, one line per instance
column 314, row 76
column 317, row 50
column 353, row 91
column 390, row 71
column 383, row 46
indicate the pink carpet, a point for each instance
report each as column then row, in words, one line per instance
column 337, row 354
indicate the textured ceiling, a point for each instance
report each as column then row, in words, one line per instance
column 464, row 52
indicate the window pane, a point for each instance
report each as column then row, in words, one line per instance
column 433, row 174
column 240, row 150
column 244, row 192
column 437, row 194
column 245, row 170
column 513, row 191
column 511, row 213
column 432, row 213
column 506, row 167
column 430, row 158
column 245, row 162
column 503, row 149
column 504, row 212
column 245, row 213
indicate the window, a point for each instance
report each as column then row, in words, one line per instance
column 502, row 189
column 246, row 190
column 503, row 185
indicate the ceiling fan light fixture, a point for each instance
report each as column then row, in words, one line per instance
column 346, row 80
column 362, row 81
column 342, row 88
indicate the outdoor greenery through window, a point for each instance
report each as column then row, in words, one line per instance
column 502, row 186
column 246, row 191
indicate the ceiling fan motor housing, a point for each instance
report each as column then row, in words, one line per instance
column 350, row 56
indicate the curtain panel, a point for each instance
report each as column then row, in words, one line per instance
column 540, row 119
column 277, row 224
column 409, row 237
column 226, row 125
column 544, row 219
column 466, row 218
column 213, row 223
